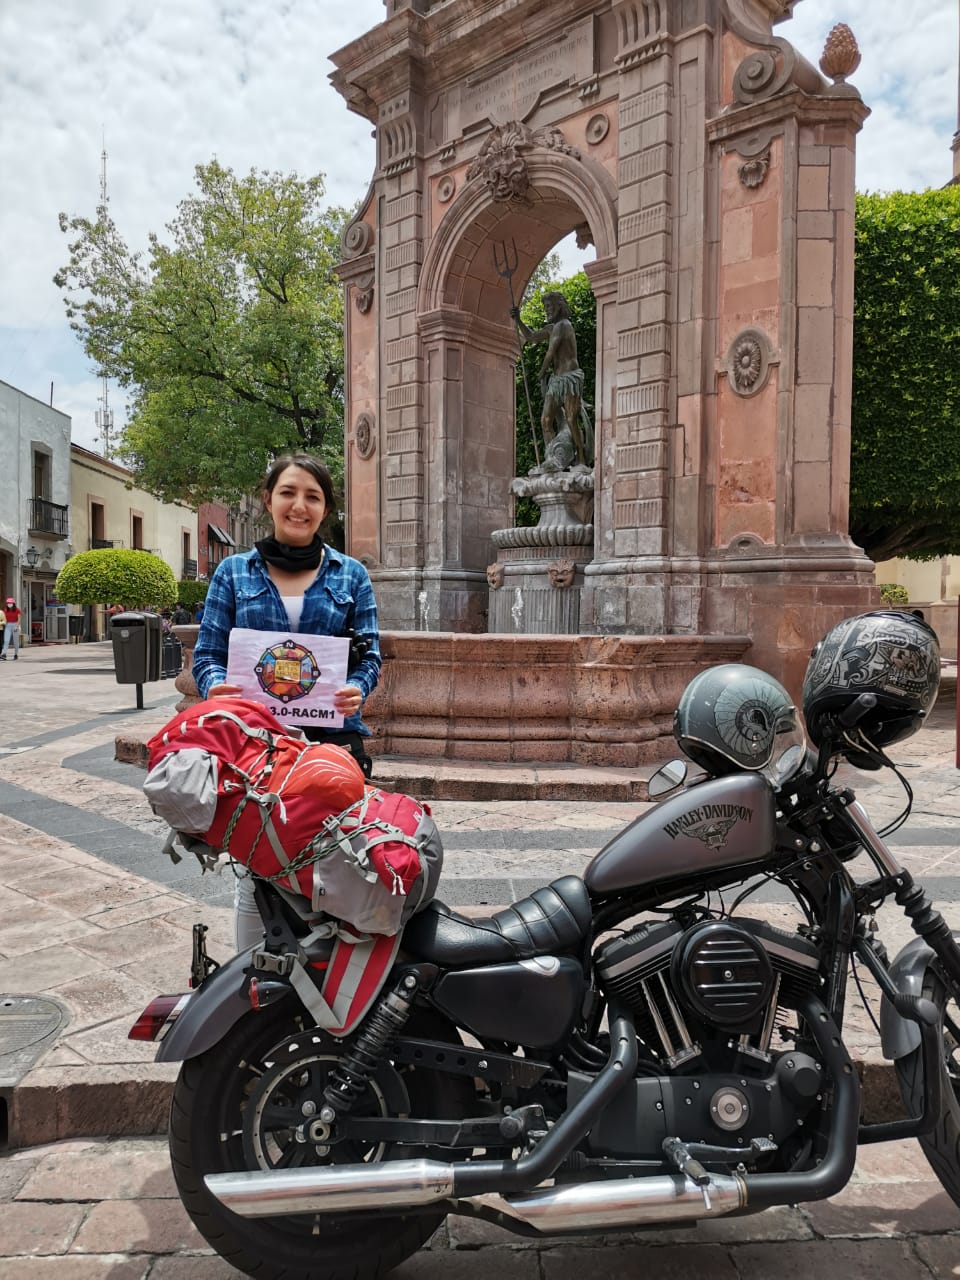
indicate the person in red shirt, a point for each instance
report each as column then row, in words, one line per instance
column 11, row 629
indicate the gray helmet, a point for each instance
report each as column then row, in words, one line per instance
column 731, row 717
column 892, row 654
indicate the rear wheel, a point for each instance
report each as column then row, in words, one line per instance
column 244, row 1105
column 942, row 1145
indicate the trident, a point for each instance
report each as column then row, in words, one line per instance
column 505, row 269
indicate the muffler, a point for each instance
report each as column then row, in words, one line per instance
column 407, row 1184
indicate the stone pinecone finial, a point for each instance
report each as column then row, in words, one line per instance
column 841, row 54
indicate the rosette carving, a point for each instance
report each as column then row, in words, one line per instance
column 748, row 361
column 364, row 440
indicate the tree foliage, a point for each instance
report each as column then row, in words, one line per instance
column 230, row 336
column 190, row 592
column 905, row 463
column 583, row 317
column 117, row 576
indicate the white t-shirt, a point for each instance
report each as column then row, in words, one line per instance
column 294, row 608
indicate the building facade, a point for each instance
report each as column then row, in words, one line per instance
column 36, row 535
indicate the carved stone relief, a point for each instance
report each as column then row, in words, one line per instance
column 560, row 573
column 748, row 361
column 598, row 127
column 364, row 440
column 357, row 238
column 495, row 576
column 446, row 187
column 752, row 172
column 502, row 162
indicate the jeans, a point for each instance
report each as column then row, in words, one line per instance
column 11, row 636
column 247, row 925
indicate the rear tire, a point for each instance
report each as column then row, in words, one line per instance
column 942, row 1145
column 210, row 1104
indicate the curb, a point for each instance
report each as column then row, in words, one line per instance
column 52, row 1103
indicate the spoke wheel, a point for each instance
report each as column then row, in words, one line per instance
column 252, row 1102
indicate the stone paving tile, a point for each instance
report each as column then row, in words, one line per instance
column 193, row 1268
column 30, row 1228
column 111, row 1169
column 941, row 1254
column 137, row 1226
column 102, row 1267
column 864, row 1210
column 878, row 1259
column 667, row 1262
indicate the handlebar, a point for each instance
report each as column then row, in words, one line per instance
column 856, row 711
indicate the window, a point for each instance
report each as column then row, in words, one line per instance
column 98, row 525
column 41, row 474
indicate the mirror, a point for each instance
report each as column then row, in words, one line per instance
column 667, row 778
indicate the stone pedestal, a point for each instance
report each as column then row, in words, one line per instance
column 537, row 580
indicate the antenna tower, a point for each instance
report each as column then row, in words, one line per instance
column 104, row 415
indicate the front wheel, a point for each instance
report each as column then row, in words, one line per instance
column 242, row 1105
column 942, row 1145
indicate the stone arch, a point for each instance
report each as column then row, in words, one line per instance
column 564, row 192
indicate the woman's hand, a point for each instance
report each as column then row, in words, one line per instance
column 223, row 690
column 348, row 700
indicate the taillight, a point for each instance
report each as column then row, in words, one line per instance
column 158, row 1017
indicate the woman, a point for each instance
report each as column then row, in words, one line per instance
column 292, row 581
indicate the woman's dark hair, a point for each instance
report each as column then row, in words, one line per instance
column 309, row 463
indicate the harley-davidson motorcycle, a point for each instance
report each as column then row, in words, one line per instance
column 633, row 1048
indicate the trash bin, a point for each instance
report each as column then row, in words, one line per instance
column 128, row 632
column 75, row 626
column 171, row 661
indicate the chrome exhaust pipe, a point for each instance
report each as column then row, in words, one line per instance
column 405, row 1184
column 394, row 1184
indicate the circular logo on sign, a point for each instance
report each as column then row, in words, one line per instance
column 287, row 671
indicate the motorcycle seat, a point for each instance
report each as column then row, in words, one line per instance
column 553, row 920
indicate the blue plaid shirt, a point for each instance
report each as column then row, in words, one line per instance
column 242, row 594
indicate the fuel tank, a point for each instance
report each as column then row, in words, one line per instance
column 716, row 824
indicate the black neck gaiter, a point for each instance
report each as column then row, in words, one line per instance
column 292, row 559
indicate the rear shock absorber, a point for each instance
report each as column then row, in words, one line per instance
column 349, row 1077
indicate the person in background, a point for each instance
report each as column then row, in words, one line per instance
column 198, row 612
column 181, row 615
column 293, row 581
column 11, row 628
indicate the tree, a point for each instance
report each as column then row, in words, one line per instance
column 117, row 576
column 230, row 336
column 583, row 317
column 190, row 592
column 905, row 459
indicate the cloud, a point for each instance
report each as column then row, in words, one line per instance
column 168, row 86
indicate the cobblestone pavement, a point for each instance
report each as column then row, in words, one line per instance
column 107, row 1210
column 98, row 921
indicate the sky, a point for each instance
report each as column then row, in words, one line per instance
column 166, row 86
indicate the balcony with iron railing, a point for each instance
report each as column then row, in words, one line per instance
column 48, row 518
column 102, row 544
column 189, row 570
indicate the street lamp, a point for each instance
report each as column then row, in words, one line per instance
column 32, row 557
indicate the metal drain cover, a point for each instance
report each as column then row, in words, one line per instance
column 27, row 1026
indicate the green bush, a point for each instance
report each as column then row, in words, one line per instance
column 905, row 458
column 117, row 576
column 190, row 592
column 893, row 593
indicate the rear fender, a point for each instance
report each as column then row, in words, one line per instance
column 210, row 1012
column 899, row 1036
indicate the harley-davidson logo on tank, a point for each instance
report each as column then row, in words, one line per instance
column 710, row 824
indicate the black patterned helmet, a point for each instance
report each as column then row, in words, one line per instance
column 735, row 717
column 892, row 655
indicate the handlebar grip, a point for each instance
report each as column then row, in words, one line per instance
column 857, row 710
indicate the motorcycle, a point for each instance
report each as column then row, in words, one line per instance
column 636, row 1047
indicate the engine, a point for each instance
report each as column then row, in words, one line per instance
column 726, row 978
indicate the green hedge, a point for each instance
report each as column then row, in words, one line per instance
column 905, row 458
column 114, row 575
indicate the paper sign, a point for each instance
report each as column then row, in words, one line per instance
column 294, row 674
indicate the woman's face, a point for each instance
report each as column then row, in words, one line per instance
column 296, row 505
